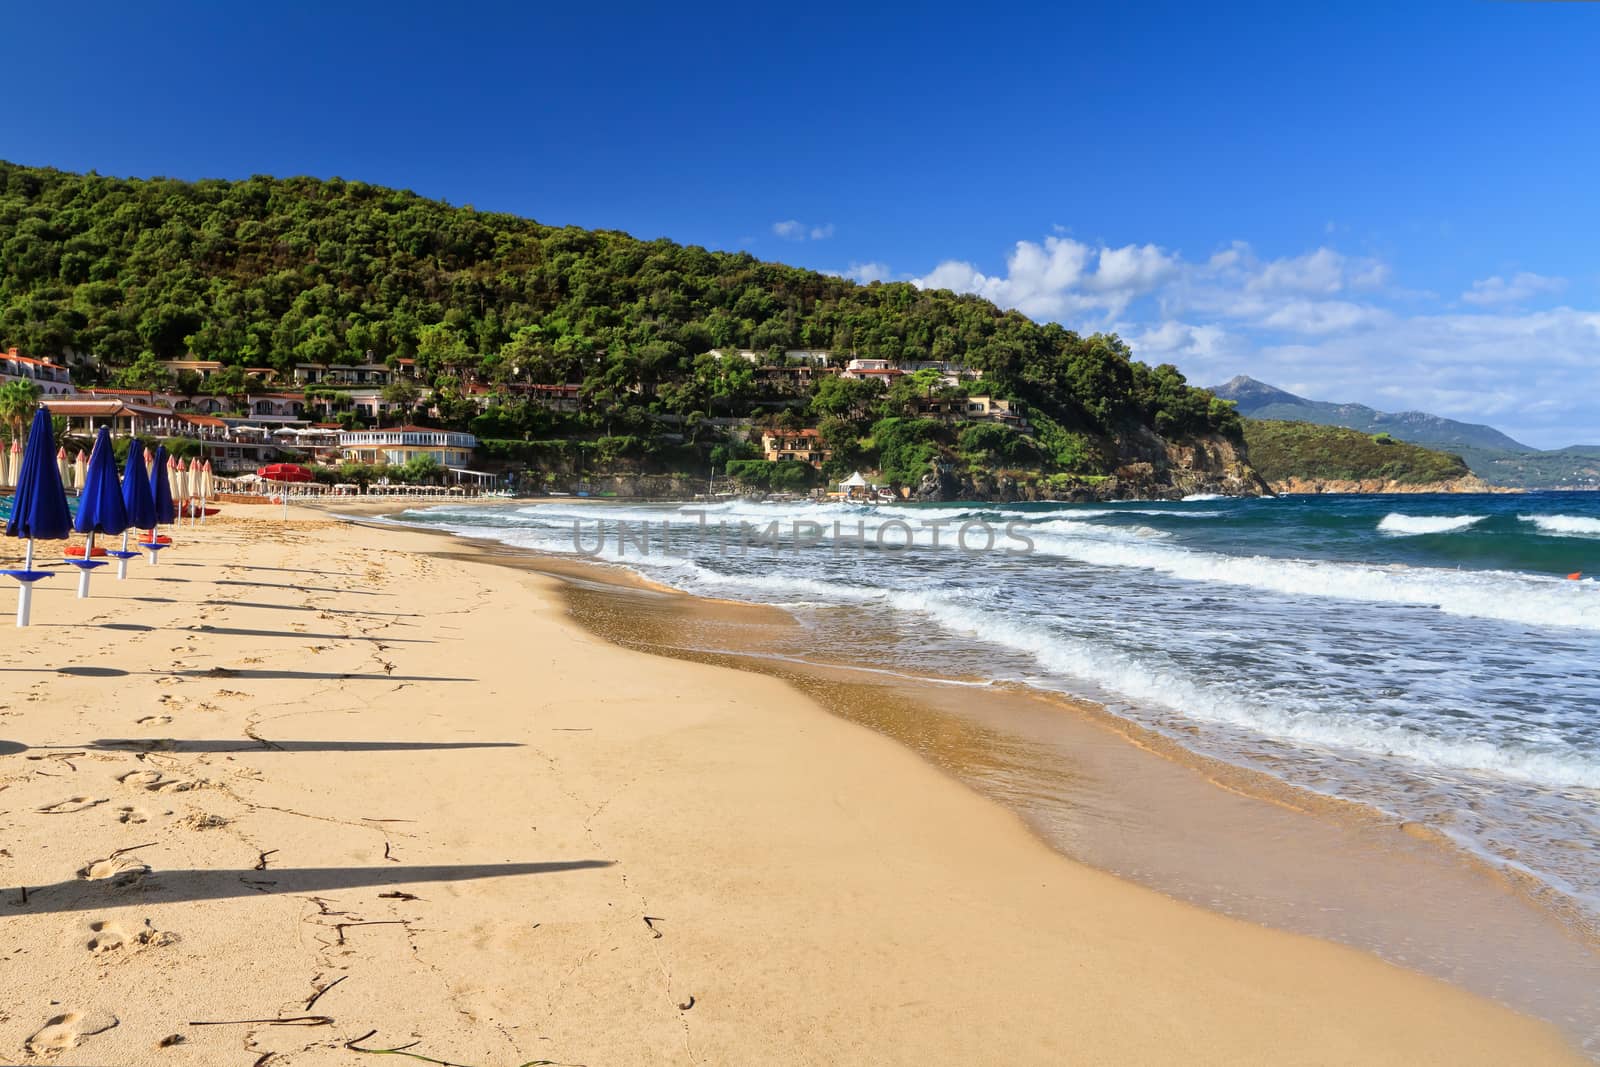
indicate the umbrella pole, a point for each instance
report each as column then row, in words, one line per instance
column 25, row 591
column 153, row 551
column 83, row 573
column 122, row 563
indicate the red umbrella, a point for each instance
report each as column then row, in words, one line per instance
column 285, row 472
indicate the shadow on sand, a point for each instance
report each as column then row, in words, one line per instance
column 230, row 672
column 173, row 886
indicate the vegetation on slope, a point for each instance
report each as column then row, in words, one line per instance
column 1283, row 450
column 270, row 272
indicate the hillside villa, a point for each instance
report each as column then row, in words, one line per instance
column 52, row 378
column 973, row 409
column 803, row 445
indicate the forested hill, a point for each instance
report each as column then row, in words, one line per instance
column 1304, row 456
column 269, row 272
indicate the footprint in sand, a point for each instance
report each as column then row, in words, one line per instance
column 156, row 782
column 132, row 815
column 71, row 804
column 68, row 1030
column 108, row 936
column 154, row 720
column 125, row 869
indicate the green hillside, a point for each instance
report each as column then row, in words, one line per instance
column 268, row 272
column 1283, row 450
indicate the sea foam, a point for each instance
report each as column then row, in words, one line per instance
column 1565, row 525
column 1397, row 525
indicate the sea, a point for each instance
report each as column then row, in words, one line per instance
column 1434, row 657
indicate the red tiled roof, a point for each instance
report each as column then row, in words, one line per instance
column 15, row 354
column 96, row 390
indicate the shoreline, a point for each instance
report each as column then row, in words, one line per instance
column 1553, row 941
column 296, row 790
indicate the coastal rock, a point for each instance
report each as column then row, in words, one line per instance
column 1470, row 484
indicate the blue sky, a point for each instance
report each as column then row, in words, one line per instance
column 1391, row 204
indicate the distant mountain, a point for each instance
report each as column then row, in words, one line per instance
column 1258, row 400
column 1492, row 455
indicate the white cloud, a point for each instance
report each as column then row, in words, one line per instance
column 1323, row 323
column 1520, row 287
column 1061, row 276
column 867, row 272
column 1322, row 316
column 795, row 230
column 1532, row 374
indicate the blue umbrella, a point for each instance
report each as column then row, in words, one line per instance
column 161, row 493
column 100, row 507
column 39, row 509
column 136, row 500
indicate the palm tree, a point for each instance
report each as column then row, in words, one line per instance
column 18, row 401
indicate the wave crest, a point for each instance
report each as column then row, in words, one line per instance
column 1397, row 525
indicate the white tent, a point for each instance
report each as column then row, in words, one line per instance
column 855, row 481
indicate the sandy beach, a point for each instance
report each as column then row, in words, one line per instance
column 307, row 790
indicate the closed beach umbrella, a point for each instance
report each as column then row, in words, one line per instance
column 80, row 469
column 63, row 465
column 149, row 462
column 161, row 493
column 100, row 506
column 14, row 471
column 39, row 509
column 136, row 499
column 180, row 484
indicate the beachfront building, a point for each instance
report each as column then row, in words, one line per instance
column 398, row 444
column 319, row 442
column 803, row 445
column 52, row 378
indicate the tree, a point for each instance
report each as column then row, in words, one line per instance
column 145, row 373
column 402, row 393
column 231, row 382
column 439, row 347
column 18, row 401
column 846, row 398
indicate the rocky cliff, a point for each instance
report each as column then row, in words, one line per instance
column 1149, row 468
column 1469, row 484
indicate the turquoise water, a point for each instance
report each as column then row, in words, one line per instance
column 1427, row 655
column 5, row 506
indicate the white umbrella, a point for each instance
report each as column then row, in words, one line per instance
column 80, row 469
column 175, row 481
column 63, row 467
column 15, row 467
column 204, row 479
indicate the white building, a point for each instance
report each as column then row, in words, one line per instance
column 52, row 378
column 398, row 444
